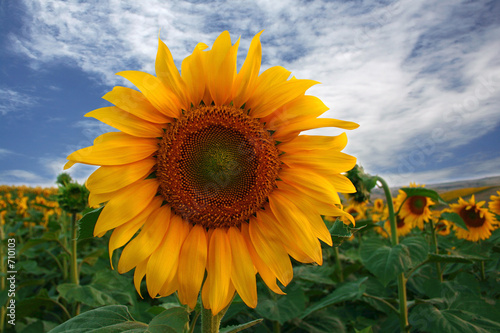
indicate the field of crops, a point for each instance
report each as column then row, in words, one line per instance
column 440, row 274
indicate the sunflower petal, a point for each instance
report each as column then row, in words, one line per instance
column 115, row 148
column 265, row 273
column 242, row 272
column 268, row 246
column 156, row 93
column 112, row 178
column 140, row 271
column 148, row 240
column 168, row 74
column 122, row 234
column 245, row 81
column 192, row 264
column 219, row 269
column 291, row 130
column 126, row 205
column 135, row 103
column 126, row 122
column 163, row 263
column 192, row 72
column 314, row 142
column 302, row 108
column 334, row 162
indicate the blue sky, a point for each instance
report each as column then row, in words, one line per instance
column 422, row 78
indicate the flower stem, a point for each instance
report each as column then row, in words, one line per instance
column 340, row 273
column 211, row 323
column 435, row 249
column 74, row 267
column 403, row 309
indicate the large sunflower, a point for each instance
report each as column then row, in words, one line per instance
column 479, row 221
column 415, row 209
column 494, row 204
column 209, row 170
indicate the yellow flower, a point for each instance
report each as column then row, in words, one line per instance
column 403, row 227
column 378, row 205
column 415, row 209
column 209, row 166
column 480, row 222
column 356, row 211
column 494, row 204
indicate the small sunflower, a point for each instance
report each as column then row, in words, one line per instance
column 403, row 227
column 378, row 205
column 442, row 226
column 209, row 169
column 494, row 204
column 479, row 221
column 357, row 211
column 415, row 209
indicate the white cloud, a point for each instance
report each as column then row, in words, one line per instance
column 12, row 101
column 420, row 77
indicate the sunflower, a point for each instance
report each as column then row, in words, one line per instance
column 414, row 209
column 442, row 226
column 378, row 205
column 479, row 221
column 357, row 211
column 403, row 227
column 494, row 204
column 209, row 171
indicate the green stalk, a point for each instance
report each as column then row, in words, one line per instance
column 340, row 273
column 74, row 267
column 435, row 249
column 211, row 323
column 403, row 308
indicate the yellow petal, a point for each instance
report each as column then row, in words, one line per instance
column 112, row 178
column 192, row 263
column 122, row 234
column 135, row 103
column 163, row 263
column 126, row 205
column 334, row 162
column 270, row 78
column 221, row 68
column 265, row 273
column 288, row 132
column 245, row 81
column 242, row 272
column 296, row 228
column 218, row 268
column 314, row 142
column 301, row 108
column 341, row 183
column 147, row 241
column 115, row 148
column 156, row 93
column 193, row 73
column 270, row 249
column 169, row 75
column 140, row 271
column 308, row 209
column 226, row 299
column 126, row 122
column 309, row 183
column 279, row 95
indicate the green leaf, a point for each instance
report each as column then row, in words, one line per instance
column 365, row 330
column 418, row 248
column 107, row 319
column 455, row 218
column 423, row 192
column 428, row 318
column 446, row 258
column 384, row 261
column 283, row 308
column 347, row 292
column 241, row 327
column 84, row 294
column 341, row 232
column 87, row 223
column 172, row 320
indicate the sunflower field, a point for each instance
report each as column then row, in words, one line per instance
column 447, row 257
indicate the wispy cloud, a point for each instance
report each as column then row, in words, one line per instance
column 420, row 77
column 14, row 101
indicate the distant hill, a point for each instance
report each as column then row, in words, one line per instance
column 449, row 186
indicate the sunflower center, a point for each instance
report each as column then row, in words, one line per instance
column 216, row 166
column 400, row 222
column 472, row 218
column 417, row 204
